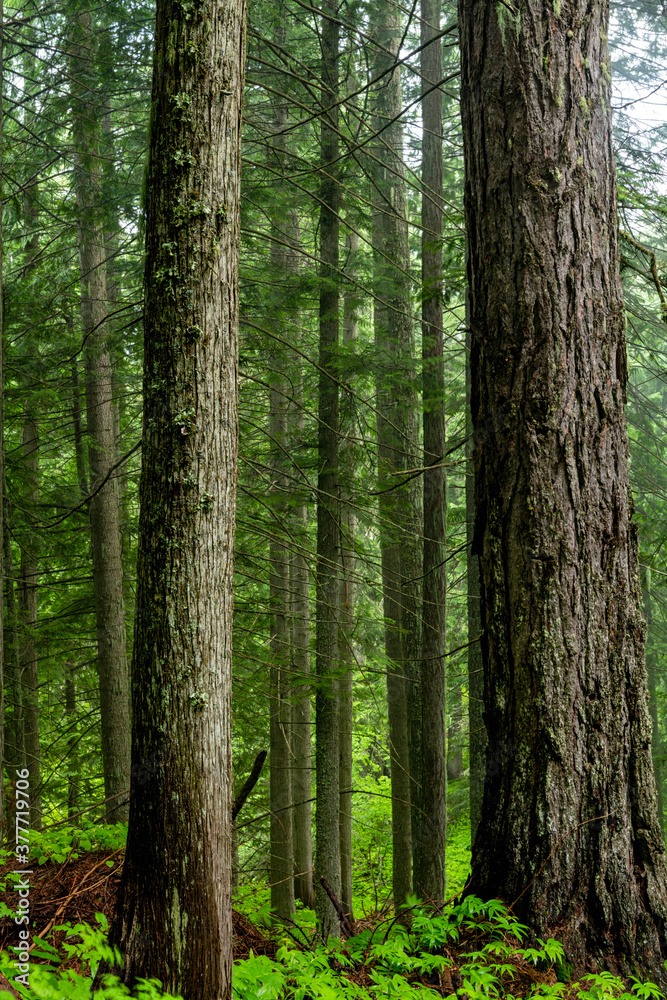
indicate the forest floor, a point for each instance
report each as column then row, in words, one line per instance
column 75, row 890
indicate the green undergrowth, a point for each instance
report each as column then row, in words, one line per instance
column 388, row 961
column 394, row 962
column 67, row 843
column 47, row 981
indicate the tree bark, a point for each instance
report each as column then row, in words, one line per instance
column 397, row 433
column 431, row 821
column 327, row 845
column 173, row 917
column 569, row 833
column 103, row 507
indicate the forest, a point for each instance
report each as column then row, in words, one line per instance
column 334, row 567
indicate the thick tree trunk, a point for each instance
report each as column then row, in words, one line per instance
column 327, row 845
column 28, row 611
column 103, row 507
column 397, row 432
column 569, row 832
column 173, row 917
column 346, row 597
column 301, row 689
column 429, row 846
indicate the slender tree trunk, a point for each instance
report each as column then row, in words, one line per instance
column 429, row 845
column 569, row 833
column 28, row 611
column 103, row 507
column 398, row 450
column 327, row 845
column 476, row 727
column 14, row 731
column 173, row 916
column 281, row 869
column 79, row 450
column 2, row 443
column 454, row 732
column 651, row 669
column 236, row 869
column 346, row 598
column 301, row 728
column 72, row 745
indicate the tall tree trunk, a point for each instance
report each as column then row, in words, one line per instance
column 301, row 691
column 429, row 845
column 398, row 450
column 327, row 845
column 281, row 868
column 103, row 507
column 569, row 832
column 476, row 727
column 346, row 598
column 173, row 918
column 28, row 610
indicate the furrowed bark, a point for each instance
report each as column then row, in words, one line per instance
column 173, row 916
column 569, row 832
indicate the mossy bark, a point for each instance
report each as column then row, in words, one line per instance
column 569, row 833
column 173, row 916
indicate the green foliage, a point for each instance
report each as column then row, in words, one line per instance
column 64, row 842
column 395, row 962
column 48, row 982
